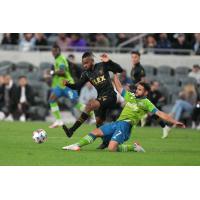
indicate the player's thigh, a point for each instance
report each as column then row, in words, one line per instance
column 107, row 101
column 71, row 94
column 55, row 93
column 92, row 105
column 122, row 132
column 100, row 116
column 108, row 130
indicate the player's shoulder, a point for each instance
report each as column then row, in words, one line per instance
column 147, row 101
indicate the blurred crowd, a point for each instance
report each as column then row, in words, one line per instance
column 21, row 100
column 159, row 43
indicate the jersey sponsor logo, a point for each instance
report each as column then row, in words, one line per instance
column 99, row 80
column 103, row 98
column 133, row 106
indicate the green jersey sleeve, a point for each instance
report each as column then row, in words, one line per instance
column 151, row 107
column 128, row 96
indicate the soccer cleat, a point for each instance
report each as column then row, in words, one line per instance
column 73, row 147
column 67, row 131
column 56, row 124
column 138, row 148
column 166, row 131
column 103, row 145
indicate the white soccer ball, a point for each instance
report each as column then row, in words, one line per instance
column 39, row 136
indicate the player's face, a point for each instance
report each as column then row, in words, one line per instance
column 140, row 91
column 135, row 58
column 55, row 52
column 88, row 63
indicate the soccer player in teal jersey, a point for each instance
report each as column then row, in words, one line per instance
column 59, row 74
column 137, row 105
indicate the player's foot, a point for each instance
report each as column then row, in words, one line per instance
column 138, row 148
column 103, row 145
column 67, row 131
column 73, row 147
column 56, row 124
column 166, row 131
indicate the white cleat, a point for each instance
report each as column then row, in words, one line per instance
column 138, row 148
column 166, row 131
column 73, row 147
column 56, row 124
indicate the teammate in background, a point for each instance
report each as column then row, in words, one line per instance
column 137, row 105
column 98, row 75
column 137, row 75
column 60, row 72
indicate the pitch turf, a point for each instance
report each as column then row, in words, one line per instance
column 18, row 149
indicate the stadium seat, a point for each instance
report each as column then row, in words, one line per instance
column 164, row 71
column 6, row 63
column 25, row 66
column 188, row 80
column 45, row 65
column 150, row 70
column 181, row 72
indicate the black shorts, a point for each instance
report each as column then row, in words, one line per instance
column 106, row 102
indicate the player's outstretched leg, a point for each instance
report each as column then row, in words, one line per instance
column 92, row 105
column 88, row 139
column 114, row 146
column 132, row 147
column 69, row 132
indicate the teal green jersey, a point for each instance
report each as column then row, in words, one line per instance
column 61, row 63
column 135, row 108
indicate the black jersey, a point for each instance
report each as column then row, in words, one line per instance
column 137, row 73
column 99, row 77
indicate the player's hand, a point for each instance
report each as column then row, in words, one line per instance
column 179, row 124
column 65, row 82
column 104, row 57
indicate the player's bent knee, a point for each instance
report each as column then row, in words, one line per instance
column 97, row 132
column 112, row 149
column 113, row 145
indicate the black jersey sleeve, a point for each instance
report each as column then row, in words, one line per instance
column 112, row 66
column 78, row 85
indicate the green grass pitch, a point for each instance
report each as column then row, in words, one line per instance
column 18, row 149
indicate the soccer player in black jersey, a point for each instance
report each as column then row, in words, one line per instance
column 137, row 75
column 98, row 75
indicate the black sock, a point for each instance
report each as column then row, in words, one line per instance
column 84, row 116
column 162, row 123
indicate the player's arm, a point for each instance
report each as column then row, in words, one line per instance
column 110, row 65
column 118, row 84
column 78, row 85
column 168, row 118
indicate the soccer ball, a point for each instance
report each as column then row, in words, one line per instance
column 39, row 136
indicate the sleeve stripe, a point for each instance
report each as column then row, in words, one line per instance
column 123, row 93
column 154, row 110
